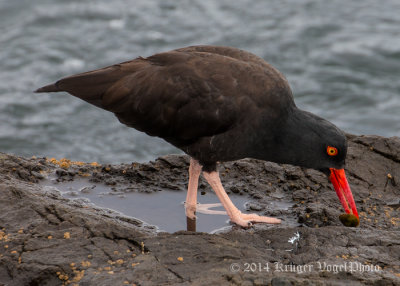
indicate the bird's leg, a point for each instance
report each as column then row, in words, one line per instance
column 234, row 214
column 191, row 198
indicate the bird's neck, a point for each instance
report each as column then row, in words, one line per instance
column 291, row 140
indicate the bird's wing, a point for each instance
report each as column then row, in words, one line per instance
column 237, row 54
column 179, row 95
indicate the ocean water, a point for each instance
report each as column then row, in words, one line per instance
column 342, row 60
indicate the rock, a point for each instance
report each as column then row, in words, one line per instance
column 46, row 239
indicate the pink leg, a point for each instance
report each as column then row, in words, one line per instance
column 234, row 214
column 191, row 198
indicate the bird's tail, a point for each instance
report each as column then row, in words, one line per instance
column 94, row 86
column 48, row 88
column 88, row 86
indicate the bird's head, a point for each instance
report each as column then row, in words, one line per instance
column 335, row 155
column 317, row 143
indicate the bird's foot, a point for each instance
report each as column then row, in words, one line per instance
column 246, row 220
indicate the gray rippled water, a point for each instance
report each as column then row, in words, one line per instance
column 342, row 59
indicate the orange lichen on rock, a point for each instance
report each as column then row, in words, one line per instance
column 62, row 276
column 4, row 236
column 78, row 275
column 86, row 263
column 66, row 163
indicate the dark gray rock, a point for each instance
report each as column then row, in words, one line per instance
column 46, row 239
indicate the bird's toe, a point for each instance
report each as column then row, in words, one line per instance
column 260, row 219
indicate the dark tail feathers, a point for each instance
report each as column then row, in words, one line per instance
column 48, row 88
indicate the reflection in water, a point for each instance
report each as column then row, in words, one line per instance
column 164, row 209
column 190, row 224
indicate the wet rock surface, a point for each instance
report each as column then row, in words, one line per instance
column 46, row 239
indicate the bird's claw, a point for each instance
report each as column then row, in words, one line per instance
column 236, row 217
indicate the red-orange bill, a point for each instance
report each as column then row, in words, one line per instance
column 342, row 188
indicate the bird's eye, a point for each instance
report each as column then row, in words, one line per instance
column 332, row 151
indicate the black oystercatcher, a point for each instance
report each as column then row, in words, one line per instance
column 216, row 104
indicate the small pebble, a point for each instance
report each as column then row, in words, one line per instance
column 349, row 220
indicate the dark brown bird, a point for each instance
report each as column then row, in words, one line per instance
column 216, row 104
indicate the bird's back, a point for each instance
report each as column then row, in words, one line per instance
column 185, row 94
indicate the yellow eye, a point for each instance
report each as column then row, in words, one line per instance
column 332, row 151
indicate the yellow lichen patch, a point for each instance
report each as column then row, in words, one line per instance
column 6, row 246
column 363, row 214
column 19, row 260
column 107, row 268
column 119, row 261
column 4, row 236
column 110, row 272
column 116, row 252
column 62, row 276
column 78, row 275
column 21, row 231
column 67, row 235
column 142, row 245
column 86, row 263
column 111, row 262
column 388, row 212
column 66, row 163
column 134, row 264
column 180, row 258
column 90, row 256
column 83, row 174
column 14, row 252
column 126, row 282
column 50, row 237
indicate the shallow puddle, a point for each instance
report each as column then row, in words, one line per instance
column 164, row 209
